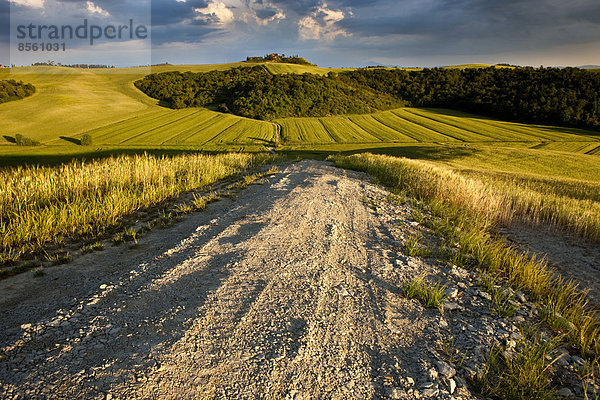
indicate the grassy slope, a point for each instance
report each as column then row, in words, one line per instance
column 477, row 65
column 281, row 68
column 70, row 102
column 418, row 125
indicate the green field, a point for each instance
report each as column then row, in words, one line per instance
column 439, row 126
column 476, row 65
column 70, row 101
column 282, row 68
column 105, row 104
column 193, row 127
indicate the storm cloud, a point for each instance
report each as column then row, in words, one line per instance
column 354, row 33
column 359, row 31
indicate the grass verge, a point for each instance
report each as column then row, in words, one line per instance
column 40, row 207
column 498, row 200
column 466, row 212
column 520, row 373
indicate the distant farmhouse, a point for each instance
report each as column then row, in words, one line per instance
column 278, row 58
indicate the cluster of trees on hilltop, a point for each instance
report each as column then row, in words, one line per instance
column 534, row 95
column 546, row 95
column 280, row 58
column 256, row 93
column 12, row 90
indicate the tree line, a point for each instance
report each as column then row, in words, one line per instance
column 253, row 92
column 12, row 90
column 555, row 96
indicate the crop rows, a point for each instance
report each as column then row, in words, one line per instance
column 202, row 127
column 184, row 127
column 572, row 147
column 422, row 125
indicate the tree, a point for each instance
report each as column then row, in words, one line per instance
column 86, row 139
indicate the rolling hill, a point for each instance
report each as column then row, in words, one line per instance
column 105, row 104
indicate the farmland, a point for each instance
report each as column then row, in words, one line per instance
column 439, row 126
column 105, row 105
column 460, row 182
column 71, row 101
column 187, row 127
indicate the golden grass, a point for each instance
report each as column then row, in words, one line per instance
column 503, row 201
column 523, row 375
column 466, row 209
column 43, row 205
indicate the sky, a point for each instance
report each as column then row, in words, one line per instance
column 332, row 33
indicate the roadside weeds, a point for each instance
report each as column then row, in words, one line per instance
column 470, row 241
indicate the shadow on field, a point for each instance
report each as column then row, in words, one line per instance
column 426, row 152
column 263, row 141
column 71, row 140
column 10, row 139
column 9, row 160
column 164, row 103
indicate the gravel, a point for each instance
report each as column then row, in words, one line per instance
column 291, row 290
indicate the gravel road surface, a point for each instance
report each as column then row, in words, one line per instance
column 291, row 290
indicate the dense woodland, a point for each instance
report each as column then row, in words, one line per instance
column 534, row 95
column 13, row 90
column 256, row 93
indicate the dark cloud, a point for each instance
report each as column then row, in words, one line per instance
column 4, row 18
column 167, row 12
column 193, row 32
column 409, row 27
column 476, row 26
column 375, row 29
column 174, row 21
column 266, row 13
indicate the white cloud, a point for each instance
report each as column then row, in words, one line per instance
column 321, row 24
column 309, row 28
column 215, row 11
column 330, row 16
column 279, row 15
column 29, row 3
column 94, row 9
column 256, row 8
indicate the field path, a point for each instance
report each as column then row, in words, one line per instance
column 289, row 291
column 277, row 294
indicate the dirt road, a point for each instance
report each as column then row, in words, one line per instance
column 289, row 291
